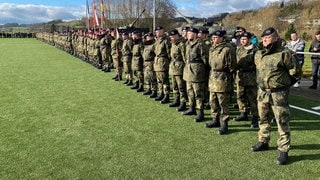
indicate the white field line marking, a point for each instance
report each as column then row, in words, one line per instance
column 316, row 108
column 305, row 110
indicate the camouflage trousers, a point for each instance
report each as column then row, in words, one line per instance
column 150, row 80
column 179, row 88
column 195, row 92
column 117, row 64
column 127, row 69
column 274, row 104
column 163, row 82
column 219, row 102
column 138, row 76
column 247, row 99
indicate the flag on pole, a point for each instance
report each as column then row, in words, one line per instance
column 88, row 15
column 95, row 16
column 102, row 19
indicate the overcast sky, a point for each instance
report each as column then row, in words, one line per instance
column 35, row 11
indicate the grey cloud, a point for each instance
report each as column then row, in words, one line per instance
column 25, row 14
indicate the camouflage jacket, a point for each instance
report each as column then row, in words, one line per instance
column 275, row 67
column 127, row 50
column 116, row 45
column 148, row 55
column 195, row 67
column 162, row 52
column 246, row 69
column 222, row 62
column 177, row 54
column 137, row 59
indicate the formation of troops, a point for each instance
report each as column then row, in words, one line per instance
column 201, row 70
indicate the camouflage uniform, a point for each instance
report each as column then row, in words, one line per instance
column 246, row 80
column 222, row 61
column 273, row 77
column 127, row 58
column 137, row 63
column 194, row 72
column 148, row 58
column 176, row 67
column 116, row 45
column 161, row 65
column 97, row 53
column 105, row 47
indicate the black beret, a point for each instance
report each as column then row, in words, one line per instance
column 194, row 30
column 317, row 32
column 125, row 34
column 186, row 28
column 137, row 32
column 246, row 34
column 173, row 32
column 149, row 34
column 268, row 31
column 219, row 33
column 204, row 31
column 158, row 28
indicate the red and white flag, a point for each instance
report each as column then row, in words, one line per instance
column 95, row 16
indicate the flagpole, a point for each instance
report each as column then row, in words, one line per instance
column 154, row 14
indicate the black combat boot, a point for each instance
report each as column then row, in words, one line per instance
column 130, row 83
column 160, row 97
column 190, row 111
column 254, row 122
column 153, row 94
column 224, row 128
column 115, row 77
column 140, row 89
column 207, row 106
column 260, row 146
column 136, row 85
column 182, row 107
column 107, row 69
column 242, row 117
column 126, row 82
column 165, row 99
column 214, row 123
column 200, row 116
column 119, row 78
column 175, row 103
column 282, row 158
column 147, row 92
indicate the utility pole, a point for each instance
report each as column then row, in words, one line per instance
column 154, row 15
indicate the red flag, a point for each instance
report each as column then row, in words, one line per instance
column 95, row 16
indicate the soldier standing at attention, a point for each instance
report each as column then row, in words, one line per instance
column 246, row 80
column 161, row 65
column 194, row 74
column 127, row 58
column 137, row 61
column 176, row 70
column 105, row 51
column 116, row 44
column 148, row 60
column 273, row 62
column 222, row 62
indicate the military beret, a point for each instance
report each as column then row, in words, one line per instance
column 194, row 30
column 246, row 34
column 219, row 33
column 173, row 32
column 158, row 28
column 268, row 31
column 204, row 31
column 125, row 34
column 149, row 34
column 317, row 32
column 186, row 28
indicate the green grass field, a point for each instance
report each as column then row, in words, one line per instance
column 60, row 118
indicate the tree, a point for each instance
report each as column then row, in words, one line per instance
column 291, row 29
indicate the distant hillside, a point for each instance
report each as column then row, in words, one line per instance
column 304, row 15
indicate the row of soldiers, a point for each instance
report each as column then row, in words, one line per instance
column 203, row 69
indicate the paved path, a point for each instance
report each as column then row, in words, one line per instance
column 304, row 90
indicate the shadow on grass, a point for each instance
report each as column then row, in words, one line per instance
column 293, row 159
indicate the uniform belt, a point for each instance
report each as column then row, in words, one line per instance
column 247, row 70
column 163, row 56
column 149, row 60
column 275, row 89
column 177, row 59
column 219, row 70
column 195, row 60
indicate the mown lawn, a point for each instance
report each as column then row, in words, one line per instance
column 60, row 118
